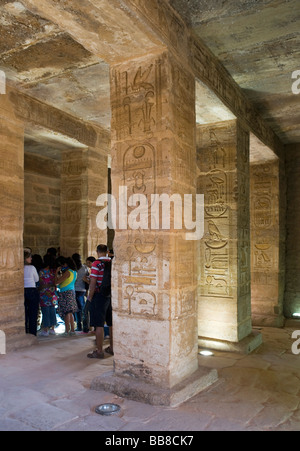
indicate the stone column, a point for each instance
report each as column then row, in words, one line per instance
column 12, row 321
column 74, row 191
column 97, row 177
column 224, row 308
column 42, row 202
column 155, row 270
column 83, row 179
column 266, row 286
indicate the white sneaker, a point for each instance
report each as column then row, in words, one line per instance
column 44, row 334
column 52, row 332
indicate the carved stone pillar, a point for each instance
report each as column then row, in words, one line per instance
column 74, row 190
column 292, row 286
column 155, row 269
column 12, row 322
column 266, row 286
column 97, row 182
column 83, row 179
column 224, row 308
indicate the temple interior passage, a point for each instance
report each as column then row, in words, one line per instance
column 169, row 131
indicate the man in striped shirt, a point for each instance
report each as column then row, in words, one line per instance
column 100, row 309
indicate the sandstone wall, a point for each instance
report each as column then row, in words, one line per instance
column 42, row 203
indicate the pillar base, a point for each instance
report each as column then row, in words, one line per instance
column 245, row 346
column 267, row 321
column 15, row 342
column 292, row 323
column 152, row 394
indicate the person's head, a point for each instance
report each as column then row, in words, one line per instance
column 66, row 262
column 90, row 261
column 37, row 261
column 101, row 250
column 61, row 261
column 49, row 261
column 71, row 263
column 27, row 257
column 77, row 260
column 51, row 251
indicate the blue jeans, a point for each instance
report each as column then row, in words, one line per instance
column 80, row 304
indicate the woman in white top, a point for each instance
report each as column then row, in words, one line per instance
column 31, row 295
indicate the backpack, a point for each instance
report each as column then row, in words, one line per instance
column 105, row 287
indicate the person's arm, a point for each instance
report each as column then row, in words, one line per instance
column 35, row 274
column 92, row 288
column 41, row 282
column 93, row 280
column 61, row 278
column 86, row 279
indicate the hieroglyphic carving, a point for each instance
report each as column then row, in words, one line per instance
column 140, row 278
column 224, row 164
column 11, row 257
column 185, row 279
column 139, row 168
column 215, row 160
column 155, row 153
column 184, row 148
column 138, row 94
column 243, row 213
column 264, row 221
column 73, row 191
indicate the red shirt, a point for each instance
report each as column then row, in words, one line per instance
column 97, row 270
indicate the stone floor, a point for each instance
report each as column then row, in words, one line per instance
column 46, row 387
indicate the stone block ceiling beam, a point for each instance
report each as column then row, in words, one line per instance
column 107, row 28
column 118, row 30
column 33, row 111
column 206, row 67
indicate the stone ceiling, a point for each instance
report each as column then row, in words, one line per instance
column 256, row 40
column 46, row 63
